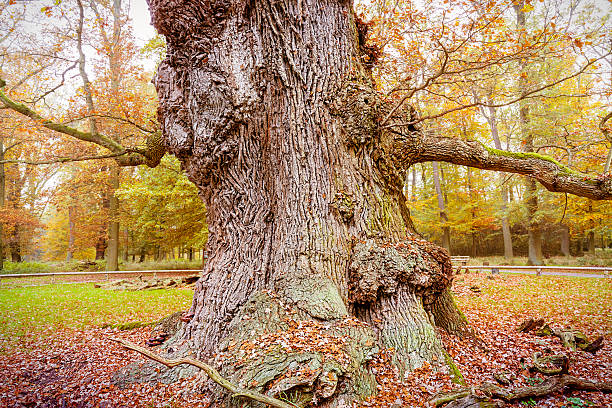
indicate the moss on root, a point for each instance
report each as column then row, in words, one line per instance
column 455, row 374
column 128, row 325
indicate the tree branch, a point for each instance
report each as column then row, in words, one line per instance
column 413, row 148
column 117, row 118
column 212, row 374
column 65, row 159
column 123, row 156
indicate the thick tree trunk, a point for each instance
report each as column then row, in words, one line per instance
column 271, row 109
column 273, row 115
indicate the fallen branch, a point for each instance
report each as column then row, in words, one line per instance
column 549, row 386
column 211, row 372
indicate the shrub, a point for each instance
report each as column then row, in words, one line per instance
column 25, row 267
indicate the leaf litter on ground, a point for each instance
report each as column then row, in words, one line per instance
column 69, row 362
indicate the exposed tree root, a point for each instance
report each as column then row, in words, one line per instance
column 571, row 338
column 530, row 324
column 550, row 365
column 549, row 386
column 212, row 374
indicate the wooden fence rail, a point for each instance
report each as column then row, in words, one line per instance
column 104, row 275
column 605, row 270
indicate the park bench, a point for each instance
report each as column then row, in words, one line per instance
column 462, row 260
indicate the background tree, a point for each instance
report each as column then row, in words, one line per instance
column 76, row 39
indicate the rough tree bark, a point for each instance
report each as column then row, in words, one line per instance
column 271, row 109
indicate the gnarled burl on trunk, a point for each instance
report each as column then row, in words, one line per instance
column 313, row 262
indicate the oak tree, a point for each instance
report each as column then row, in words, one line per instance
column 272, row 109
column 313, row 261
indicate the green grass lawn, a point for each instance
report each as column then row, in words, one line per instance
column 40, row 311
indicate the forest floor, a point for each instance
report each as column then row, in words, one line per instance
column 53, row 352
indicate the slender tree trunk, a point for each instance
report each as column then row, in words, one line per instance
column 112, row 260
column 100, row 248
column 472, row 212
column 126, row 245
column 531, row 198
column 112, row 253
column 591, row 233
column 71, row 234
column 565, row 240
column 143, row 253
column 508, row 250
column 591, row 242
column 442, row 207
column 190, row 254
column 413, row 184
column 15, row 245
column 2, row 201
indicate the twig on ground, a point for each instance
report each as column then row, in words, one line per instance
column 210, row 371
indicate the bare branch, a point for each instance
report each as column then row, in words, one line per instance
column 125, row 120
column 150, row 155
column 533, row 93
column 606, row 133
column 65, row 159
column 96, row 138
column 56, row 87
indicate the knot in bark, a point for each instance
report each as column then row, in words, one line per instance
column 181, row 19
column 345, row 206
column 379, row 269
column 357, row 105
